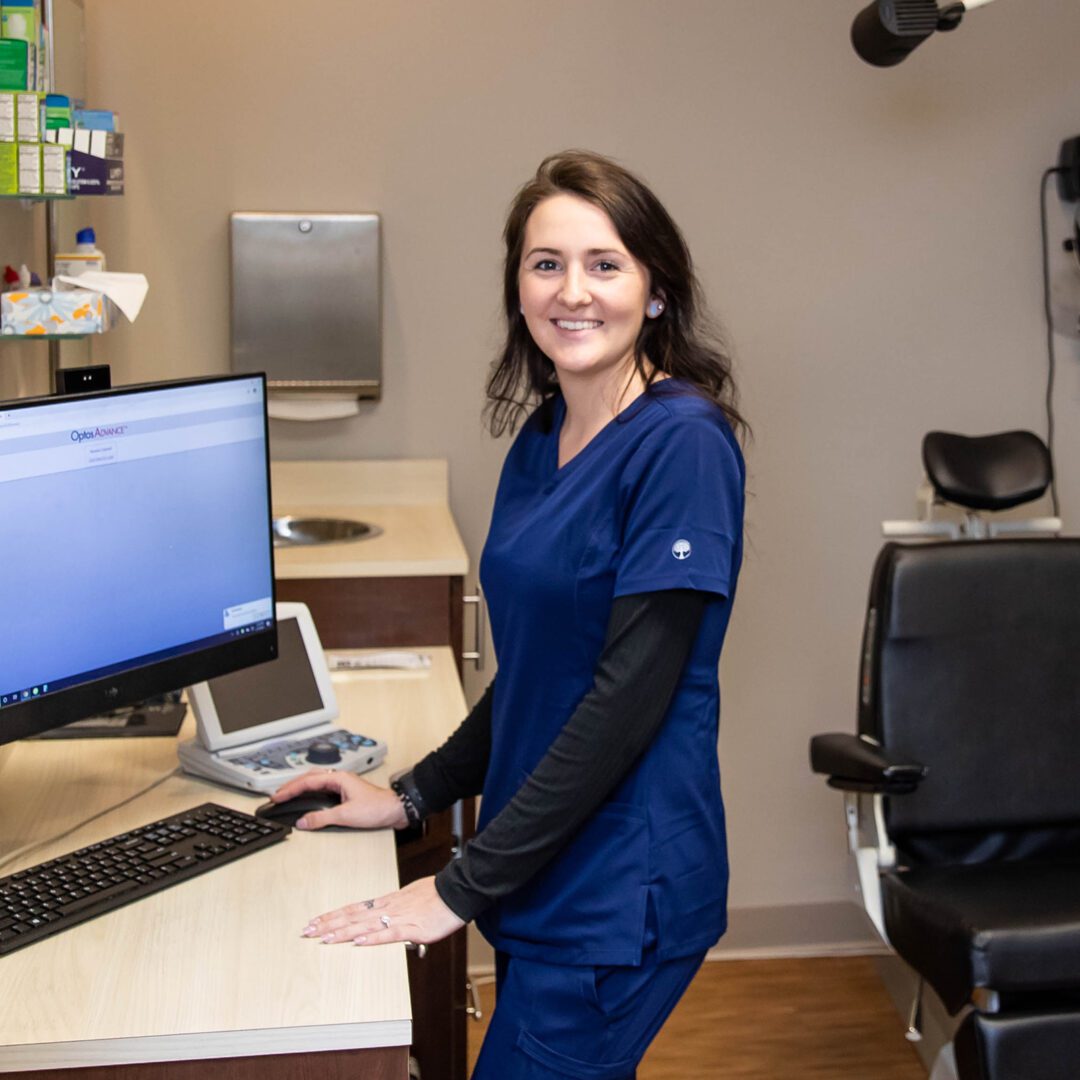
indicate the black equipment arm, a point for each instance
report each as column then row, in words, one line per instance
column 854, row 764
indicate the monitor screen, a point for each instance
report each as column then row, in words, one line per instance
column 135, row 542
column 285, row 688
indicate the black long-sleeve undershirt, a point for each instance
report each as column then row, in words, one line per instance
column 649, row 638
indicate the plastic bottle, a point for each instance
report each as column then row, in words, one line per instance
column 86, row 256
column 86, row 244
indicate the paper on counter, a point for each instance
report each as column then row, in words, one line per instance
column 126, row 291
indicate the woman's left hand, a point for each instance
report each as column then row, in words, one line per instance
column 415, row 913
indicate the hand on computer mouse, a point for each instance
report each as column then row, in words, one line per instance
column 362, row 806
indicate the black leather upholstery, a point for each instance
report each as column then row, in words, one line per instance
column 974, row 651
column 969, row 731
column 1012, row 927
column 1021, row 1046
column 987, row 472
column 971, row 667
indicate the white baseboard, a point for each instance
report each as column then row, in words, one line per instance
column 800, row 952
column 795, row 931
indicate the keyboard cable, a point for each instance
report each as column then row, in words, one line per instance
column 20, row 852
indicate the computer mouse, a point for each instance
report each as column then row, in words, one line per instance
column 292, row 810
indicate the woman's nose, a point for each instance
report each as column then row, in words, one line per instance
column 574, row 291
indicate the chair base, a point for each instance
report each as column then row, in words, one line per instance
column 1019, row 1046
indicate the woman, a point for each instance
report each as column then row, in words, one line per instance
column 599, row 869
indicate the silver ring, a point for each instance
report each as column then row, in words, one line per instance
column 385, row 920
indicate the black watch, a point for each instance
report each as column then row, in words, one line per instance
column 402, row 786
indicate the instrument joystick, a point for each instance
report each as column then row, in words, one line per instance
column 323, row 753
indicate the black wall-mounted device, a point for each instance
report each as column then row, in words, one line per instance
column 1069, row 163
column 81, row 380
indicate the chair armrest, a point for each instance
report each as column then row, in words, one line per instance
column 853, row 764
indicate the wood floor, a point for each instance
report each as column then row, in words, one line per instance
column 822, row 1019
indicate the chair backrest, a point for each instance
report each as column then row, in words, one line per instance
column 971, row 665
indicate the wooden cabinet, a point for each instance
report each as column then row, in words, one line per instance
column 370, row 612
column 438, row 981
column 367, row 612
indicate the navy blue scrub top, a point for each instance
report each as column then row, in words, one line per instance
column 654, row 501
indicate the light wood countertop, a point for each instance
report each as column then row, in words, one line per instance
column 213, row 967
column 407, row 500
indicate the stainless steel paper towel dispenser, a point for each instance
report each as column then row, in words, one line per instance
column 306, row 304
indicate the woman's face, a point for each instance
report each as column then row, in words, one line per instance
column 582, row 294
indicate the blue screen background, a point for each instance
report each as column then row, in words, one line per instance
column 104, row 564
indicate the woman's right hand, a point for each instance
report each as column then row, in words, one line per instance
column 362, row 806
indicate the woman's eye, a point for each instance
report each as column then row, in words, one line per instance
column 546, row 264
column 606, row 267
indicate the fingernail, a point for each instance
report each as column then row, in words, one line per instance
column 327, row 938
column 308, row 931
column 302, row 823
column 360, row 941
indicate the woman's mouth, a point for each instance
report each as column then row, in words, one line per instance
column 577, row 324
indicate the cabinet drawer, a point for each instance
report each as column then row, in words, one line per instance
column 377, row 612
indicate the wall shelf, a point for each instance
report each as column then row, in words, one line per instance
column 37, row 198
column 54, row 208
column 45, row 337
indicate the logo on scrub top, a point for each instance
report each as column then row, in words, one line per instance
column 681, row 549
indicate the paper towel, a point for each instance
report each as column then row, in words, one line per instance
column 308, row 406
column 126, row 291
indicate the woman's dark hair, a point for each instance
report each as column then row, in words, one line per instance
column 677, row 343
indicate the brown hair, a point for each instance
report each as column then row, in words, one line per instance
column 679, row 343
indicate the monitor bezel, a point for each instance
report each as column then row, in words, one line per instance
column 113, row 691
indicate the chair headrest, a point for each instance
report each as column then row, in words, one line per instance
column 987, row 472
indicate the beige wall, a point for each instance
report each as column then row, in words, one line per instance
column 870, row 237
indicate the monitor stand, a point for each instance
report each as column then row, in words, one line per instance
column 161, row 715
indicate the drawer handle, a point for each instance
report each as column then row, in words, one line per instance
column 477, row 654
column 473, row 1010
column 419, row 949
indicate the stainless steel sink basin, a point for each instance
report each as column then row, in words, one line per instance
column 291, row 531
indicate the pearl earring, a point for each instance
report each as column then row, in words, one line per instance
column 655, row 308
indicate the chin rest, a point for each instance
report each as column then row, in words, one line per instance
column 987, row 472
column 968, row 748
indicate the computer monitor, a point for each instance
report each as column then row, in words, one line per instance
column 135, row 546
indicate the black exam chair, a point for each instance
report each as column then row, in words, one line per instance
column 962, row 786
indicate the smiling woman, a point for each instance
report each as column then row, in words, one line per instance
column 583, row 295
column 576, row 194
column 599, row 868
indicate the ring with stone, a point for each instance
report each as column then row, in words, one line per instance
column 385, row 920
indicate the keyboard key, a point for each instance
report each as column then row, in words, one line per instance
column 98, row 897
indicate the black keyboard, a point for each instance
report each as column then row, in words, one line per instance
column 47, row 898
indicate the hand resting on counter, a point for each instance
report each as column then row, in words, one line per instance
column 415, row 913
